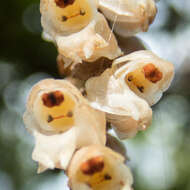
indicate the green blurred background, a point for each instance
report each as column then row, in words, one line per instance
column 159, row 157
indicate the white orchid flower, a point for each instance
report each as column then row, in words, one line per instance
column 129, row 16
column 145, row 74
column 58, row 116
column 78, row 30
column 99, row 168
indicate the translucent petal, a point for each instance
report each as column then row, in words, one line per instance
column 129, row 16
column 127, row 112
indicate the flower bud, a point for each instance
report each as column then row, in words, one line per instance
column 99, row 168
column 58, row 116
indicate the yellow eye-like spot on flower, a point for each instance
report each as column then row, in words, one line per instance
column 141, row 79
column 72, row 13
column 136, row 81
column 56, row 110
column 95, row 172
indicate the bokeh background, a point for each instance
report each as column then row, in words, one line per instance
column 159, row 157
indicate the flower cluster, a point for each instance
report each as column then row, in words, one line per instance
column 102, row 86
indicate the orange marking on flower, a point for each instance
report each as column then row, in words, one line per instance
column 81, row 13
column 152, row 73
column 52, row 99
column 122, row 183
column 92, row 165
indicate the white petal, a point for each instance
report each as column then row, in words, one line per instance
column 94, row 41
column 131, row 16
column 41, row 168
column 55, row 150
column 124, row 109
column 92, row 123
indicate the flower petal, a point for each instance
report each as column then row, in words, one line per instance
column 60, row 18
column 94, row 41
column 54, row 151
column 124, row 109
column 130, row 16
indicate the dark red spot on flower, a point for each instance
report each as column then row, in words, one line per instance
column 152, row 73
column 92, row 165
column 52, row 99
column 82, row 12
column 107, row 177
column 50, row 119
column 122, row 183
column 130, row 78
column 141, row 88
column 70, row 114
column 64, row 3
column 64, row 18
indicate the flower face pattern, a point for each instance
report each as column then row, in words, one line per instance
column 66, row 17
column 145, row 73
column 51, row 105
column 99, row 168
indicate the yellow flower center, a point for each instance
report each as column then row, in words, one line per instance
column 140, row 80
column 73, row 13
column 95, row 173
column 56, row 109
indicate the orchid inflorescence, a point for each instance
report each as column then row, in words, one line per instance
column 103, row 87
